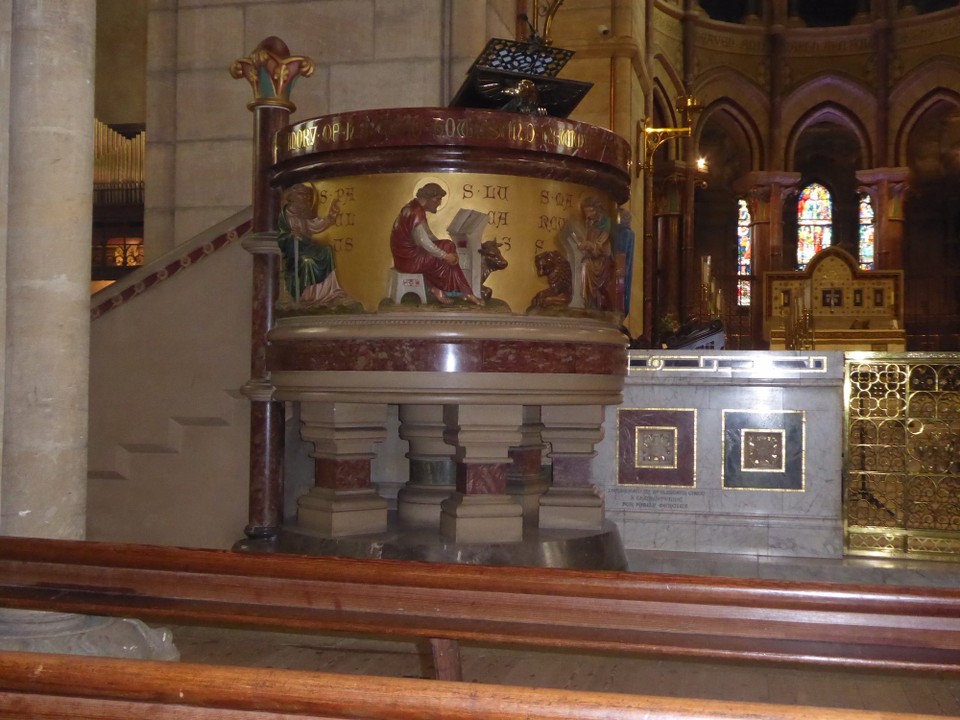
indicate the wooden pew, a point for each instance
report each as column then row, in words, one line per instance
column 820, row 624
column 63, row 687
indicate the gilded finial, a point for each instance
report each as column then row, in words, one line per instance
column 271, row 71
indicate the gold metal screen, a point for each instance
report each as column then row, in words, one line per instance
column 902, row 461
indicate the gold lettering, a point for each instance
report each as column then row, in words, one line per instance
column 302, row 138
column 336, row 131
column 451, row 128
column 522, row 132
column 568, row 138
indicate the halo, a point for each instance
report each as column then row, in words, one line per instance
column 431, row 179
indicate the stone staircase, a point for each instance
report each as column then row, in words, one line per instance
column 169, row 429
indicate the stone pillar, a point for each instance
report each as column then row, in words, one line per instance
column 526, row 480
column 271, row 70
column 886, row 187
column 160, row 159
column 481, row 510
column 48, row 269
column 6, row 35
column 343, row 500
column 47, row 334
column 433, row 471
column 758, row 202
column 776, row 39
column 775, row 188
column 883, row 41
column 765, row 193
column 572, row 502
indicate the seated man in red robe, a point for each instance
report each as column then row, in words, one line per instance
column 417, row 250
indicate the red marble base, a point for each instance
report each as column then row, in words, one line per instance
column 572, row 471
column 352, row 474
column 482, row 478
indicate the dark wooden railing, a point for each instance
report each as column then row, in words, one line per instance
column 820, row 624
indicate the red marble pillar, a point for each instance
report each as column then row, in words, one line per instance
column 481, row 510
column 271, row 70
column 650, row 261
column 667, row 208
column 572, row 500
column 343, row 500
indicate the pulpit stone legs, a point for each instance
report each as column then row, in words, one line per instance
column 343, row 500
column 572, row 502
column 480, row 511
column 526, row 480
column 433, row 471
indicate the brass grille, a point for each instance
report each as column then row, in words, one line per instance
column 902, row 461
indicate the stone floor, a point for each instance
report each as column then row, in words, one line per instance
column 889, row 692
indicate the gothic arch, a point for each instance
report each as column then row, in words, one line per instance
column 664, row 114
column 829, row 98
column 915, row 88
column 738, row 125
column 669, row 83
column 936, row 100
column 720, row 85
column 828, row 112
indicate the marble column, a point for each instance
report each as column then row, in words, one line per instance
column 271, row 71
column 343, row 500
column 481, row 510
column 667, row 210
column 433, row 471
column 572, row 502
column 47, row 334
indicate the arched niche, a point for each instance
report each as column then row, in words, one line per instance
column 829, row 149
column 730, row 144
column 932, row 226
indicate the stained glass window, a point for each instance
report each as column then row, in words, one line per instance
column 744, row 237
column 867, row 226
column 815, row 222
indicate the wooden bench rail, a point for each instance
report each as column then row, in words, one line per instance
column 768, row 621
column 64, row 687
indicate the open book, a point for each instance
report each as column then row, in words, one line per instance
column 466, row 228
column 466, row 231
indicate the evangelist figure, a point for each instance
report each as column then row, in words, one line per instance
column 417, row 250
column 308, row 263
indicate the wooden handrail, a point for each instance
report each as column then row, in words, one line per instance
column 771, row 621
column 61, row 687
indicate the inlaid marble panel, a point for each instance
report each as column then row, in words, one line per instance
column 753, row 491
column 763, row 450
column 657, row 447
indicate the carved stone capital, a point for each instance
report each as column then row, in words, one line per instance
column 271, row 69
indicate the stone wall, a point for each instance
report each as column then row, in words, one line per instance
column 368, row 54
